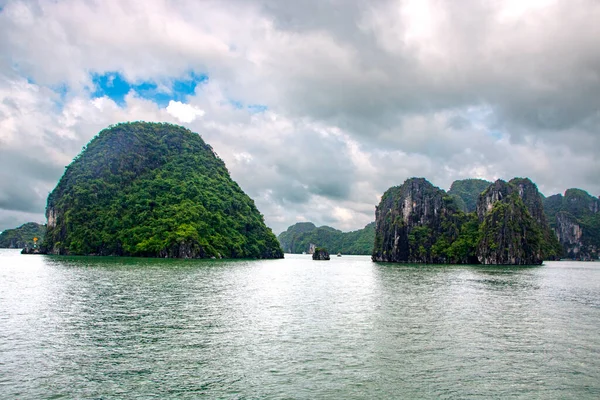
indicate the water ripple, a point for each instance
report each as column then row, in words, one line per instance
column 113, row 328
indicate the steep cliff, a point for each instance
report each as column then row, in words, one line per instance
column 575, row 218
column 155, row 190
column 419, row 223
column 509, row 234
column 534, row 201
column 513, row 226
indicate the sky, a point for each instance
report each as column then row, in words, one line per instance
column 317, row 107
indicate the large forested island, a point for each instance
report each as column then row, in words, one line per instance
column 154, row 190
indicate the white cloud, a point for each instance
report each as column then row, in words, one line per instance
column 184, row 112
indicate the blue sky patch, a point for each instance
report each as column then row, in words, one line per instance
column 257, row 108
column 495, row 134
column 251, row 108
column 238, row 105
column 116, row 87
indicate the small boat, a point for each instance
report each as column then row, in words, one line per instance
column 339, row 254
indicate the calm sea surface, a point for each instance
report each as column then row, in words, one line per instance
column 108, row 328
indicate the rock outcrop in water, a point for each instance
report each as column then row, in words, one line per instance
column 321, row 253
column 154, row 190
column 419, row 223
column 575, row 218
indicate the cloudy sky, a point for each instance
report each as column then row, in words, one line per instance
column 316, row 106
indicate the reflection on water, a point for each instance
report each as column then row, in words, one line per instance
column 84, row 327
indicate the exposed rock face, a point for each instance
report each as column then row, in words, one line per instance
column 420, row 223
column 496, row 192
column 513, row 226
column 320, row 254
column 51, row 217
column 409, row 220
column 569, row 233
column 575, row 218
column 533, row 200
column 508, row 231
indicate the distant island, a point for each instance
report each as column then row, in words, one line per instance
column 575, row 217
column 22, row 236
column 298, row 238
column 153, row 190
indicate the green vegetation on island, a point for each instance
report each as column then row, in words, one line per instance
column 155, row 190
column 298, row 238
column 466, row 192
column 23, row 236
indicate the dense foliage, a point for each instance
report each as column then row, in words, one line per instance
column 22, row 236
column 156, row 190
column 467, row 191
column 297, row 239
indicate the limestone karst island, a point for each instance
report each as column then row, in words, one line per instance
column 153, row 190
column 158, row 190
column 475, row 222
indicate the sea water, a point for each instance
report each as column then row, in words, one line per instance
column 108, row 328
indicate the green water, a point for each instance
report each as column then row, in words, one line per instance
column 111, row 328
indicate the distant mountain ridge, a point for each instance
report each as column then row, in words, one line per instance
column 298, row 237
